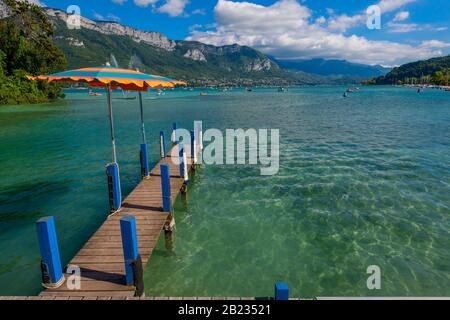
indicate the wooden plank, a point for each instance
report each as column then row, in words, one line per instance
column 101, row 258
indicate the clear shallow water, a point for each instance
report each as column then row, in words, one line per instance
column 362, row 181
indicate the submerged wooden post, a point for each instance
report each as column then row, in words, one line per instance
column 132, row 259
column 281, row 291
column 52, row 276
column 162, row 145
column 145, row 166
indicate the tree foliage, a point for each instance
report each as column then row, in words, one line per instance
column 27, row 49
column 432, row 70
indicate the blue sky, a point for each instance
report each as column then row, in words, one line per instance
column 291, row 29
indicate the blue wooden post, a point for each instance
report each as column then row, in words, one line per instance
column 145, row 167
column 162, row 144
column 174, row 133
column 115, row 197
column 281, row 291
column 165, row 187
column 130, row 246
column 181, row 147
column 52, row 276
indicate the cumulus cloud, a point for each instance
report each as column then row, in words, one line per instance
column 344, row 22
column 145, row 3
column 285, row 30
column 173, row 8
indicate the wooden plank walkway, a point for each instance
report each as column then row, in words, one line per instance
column 101, row 259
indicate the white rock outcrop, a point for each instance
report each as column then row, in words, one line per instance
column 113, row 28
column 195, row 54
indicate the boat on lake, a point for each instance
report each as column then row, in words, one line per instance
column 94, row 94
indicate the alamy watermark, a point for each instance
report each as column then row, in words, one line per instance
column 234, row 147
column 373, row 17
column 374, row 280
column 73, row 17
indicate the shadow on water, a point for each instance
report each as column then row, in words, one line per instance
column 23, row 200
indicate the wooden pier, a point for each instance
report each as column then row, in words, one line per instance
column 101, row 260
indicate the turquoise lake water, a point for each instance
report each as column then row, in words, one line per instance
column 363, row 181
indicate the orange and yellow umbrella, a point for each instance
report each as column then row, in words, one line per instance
column 113, row 78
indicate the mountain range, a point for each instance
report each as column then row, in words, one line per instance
column 98, row 42
column 334, row 68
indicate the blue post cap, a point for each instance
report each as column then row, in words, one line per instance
column 281, row 291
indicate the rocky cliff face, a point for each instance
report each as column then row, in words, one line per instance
column 258, row 65
column 195, row 54
column 113, row 28
column 255, row 61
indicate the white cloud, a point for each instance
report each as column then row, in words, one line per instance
column 173, row 8
column 435, row 44
column 321, row 20
column 145, row 3
column 395, row 27
column 344, row 22
column 391, row 5
column 284, row 30
column 119, row 1
column 401, row 16
column 108, row 17
column 200, row 12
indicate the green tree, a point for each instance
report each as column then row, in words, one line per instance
column 27, row 49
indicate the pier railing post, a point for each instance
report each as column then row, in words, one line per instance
column 162, row 145
column 174, row 133
column 193, row 149
column 115, row 196
column 52, row 276
column 165, row 187
column 133, row 262
column 180, row 153
column 281, row 291
column 183, row 167
column 145, row 166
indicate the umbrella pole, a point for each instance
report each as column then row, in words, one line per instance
column 144, row 139
column 111, row 122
